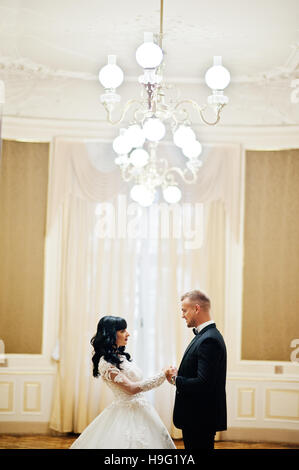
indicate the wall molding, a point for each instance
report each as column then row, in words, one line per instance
column 27, row 68
column 24, row 427
column 10, row 402
column 31, row 129
column 283, row 397
column 27, row 372
column 32, row 393
column 260, row 435
column 246, row 410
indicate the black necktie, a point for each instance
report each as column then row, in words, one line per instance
column 195, row 331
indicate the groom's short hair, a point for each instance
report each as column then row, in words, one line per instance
column 198, row 297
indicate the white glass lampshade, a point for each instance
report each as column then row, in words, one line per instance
column 217, row 77
column 183, row 135
column 154, row 129
column 172, row 194
column 139, row 158
column 149, row 55
column 135, row 191
column 121, row 144
column 135, row 135
column 143, row 195
column 192, row 149
column 111, row 75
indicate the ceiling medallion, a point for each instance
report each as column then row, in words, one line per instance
column 136, row 146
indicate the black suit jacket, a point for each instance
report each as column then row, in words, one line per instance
column 200, row 385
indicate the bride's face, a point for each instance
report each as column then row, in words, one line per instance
column 122, row 337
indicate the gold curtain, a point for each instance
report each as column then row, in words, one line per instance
column 23, row 204
column 271, row 255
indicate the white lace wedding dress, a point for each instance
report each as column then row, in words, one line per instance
column 130, row 421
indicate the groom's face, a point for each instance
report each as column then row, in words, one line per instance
column 190, row 312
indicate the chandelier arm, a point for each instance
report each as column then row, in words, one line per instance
column 185, row 117
column 219, row 108
column 201, row 109
column 125, row 110
column 126, row 174
column 182, row 174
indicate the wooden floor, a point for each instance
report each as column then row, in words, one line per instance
column 8, row 441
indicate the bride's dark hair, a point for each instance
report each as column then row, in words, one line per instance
column 104, row 342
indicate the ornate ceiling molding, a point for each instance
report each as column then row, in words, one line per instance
column 44, row 130
column 29, row 69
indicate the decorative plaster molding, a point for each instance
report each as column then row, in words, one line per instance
column 29, row 68
column 44, row 130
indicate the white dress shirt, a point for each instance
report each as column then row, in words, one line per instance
column 203, row 325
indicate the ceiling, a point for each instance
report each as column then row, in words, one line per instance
column 253, row 36
column 258, row 39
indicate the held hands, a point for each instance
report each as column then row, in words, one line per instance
column 170, row 372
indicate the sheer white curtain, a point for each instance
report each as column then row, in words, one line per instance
column 140, row 277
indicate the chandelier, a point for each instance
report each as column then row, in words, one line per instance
column 136, row 145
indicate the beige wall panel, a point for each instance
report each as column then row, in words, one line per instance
column 6, row 396
column 23, row 203
column 282, row 404
column 270, row 317
column 246, row 403
column 32, row 397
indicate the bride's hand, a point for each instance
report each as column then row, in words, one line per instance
column 170, row 371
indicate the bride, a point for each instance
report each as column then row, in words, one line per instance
column 130, row 421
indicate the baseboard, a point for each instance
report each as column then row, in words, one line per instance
column 260, row 435
column 23, row 427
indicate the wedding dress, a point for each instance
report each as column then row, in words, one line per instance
column 130, row 421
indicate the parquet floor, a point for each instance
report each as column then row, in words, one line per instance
column 9, row 441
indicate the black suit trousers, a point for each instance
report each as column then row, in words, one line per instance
column 195, row 439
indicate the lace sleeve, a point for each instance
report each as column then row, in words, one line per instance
column 152, row 382
column 106, row 370
column 113, row 374
column 130, row 387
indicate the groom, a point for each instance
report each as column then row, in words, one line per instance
column 200, row 402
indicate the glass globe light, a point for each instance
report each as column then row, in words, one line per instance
column 217, row 77
column 111, row 75
column 135, row 135
column 139, row 158
column 192, row 149
column 149, row 55
column 172, row 194
column 154, row 129
column 135, row 191
column 121, row 144
column 182, row 135
column 143, row 195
